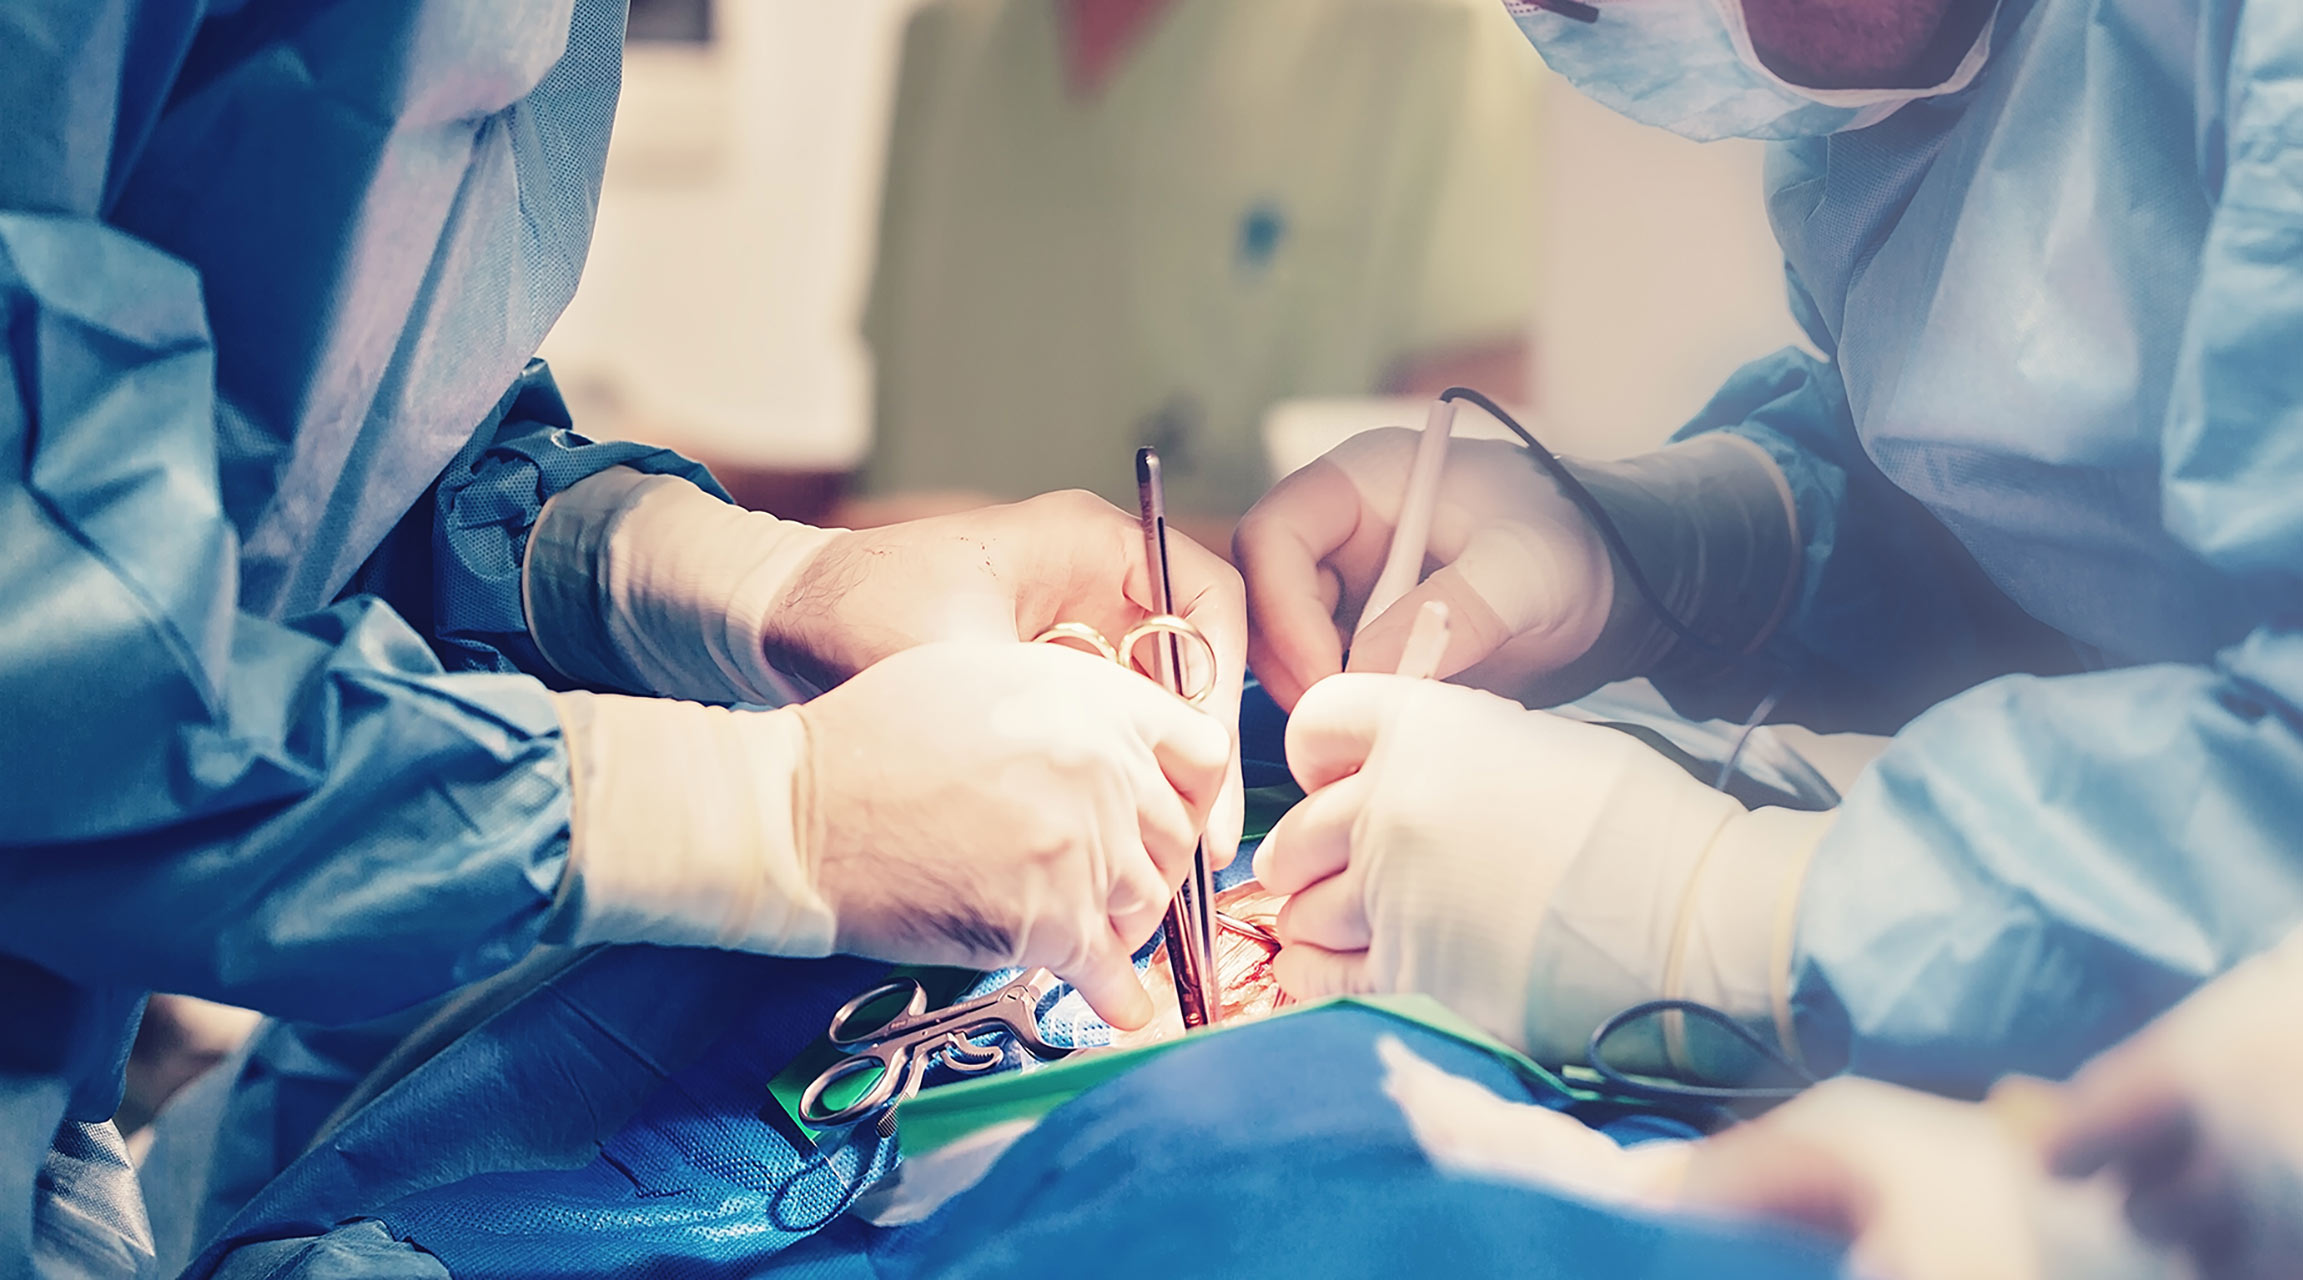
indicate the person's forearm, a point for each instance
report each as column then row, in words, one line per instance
column 2035, row 869
column 647, row 584
column 1890, row 614
column 461, row 557
column 305, row 817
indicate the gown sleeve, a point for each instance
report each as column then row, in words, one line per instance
column 307, row 817
column 2038, row 866
column 1891, row 615
column 452, row 566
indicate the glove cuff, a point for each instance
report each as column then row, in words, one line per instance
column 1688, row 897
column 684, row 827
column 1733, row 947
column 1714, row 529
column 1611, row 926
column 649, row 584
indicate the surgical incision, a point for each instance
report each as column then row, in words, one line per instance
column 1244, row 984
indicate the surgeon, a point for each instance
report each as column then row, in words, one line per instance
column 338, row 671
column 2034, row 510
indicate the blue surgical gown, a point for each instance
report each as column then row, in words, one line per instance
column 271, row 277
column 2058, row 429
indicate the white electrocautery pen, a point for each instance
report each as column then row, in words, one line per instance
column 1426, row 642
column 1411, row 536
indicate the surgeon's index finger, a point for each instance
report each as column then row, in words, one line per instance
column 1210, row 596
column 1336, row 725
column 1283, row 547
column 1194, row 749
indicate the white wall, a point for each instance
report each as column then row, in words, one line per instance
column 1661, row 277
column 720, row 307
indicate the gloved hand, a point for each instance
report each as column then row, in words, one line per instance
column 972, row 804
column 1536, row 874
column 1920, row 1187
column 2197, row 1117
column 1540, row 610
column 650, row 585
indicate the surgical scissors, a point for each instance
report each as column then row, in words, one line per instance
column 1124, row 653
column 901, row 1050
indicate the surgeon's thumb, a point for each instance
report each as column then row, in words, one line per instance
column 1107, row 980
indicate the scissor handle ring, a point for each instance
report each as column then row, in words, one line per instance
column 812, row 1098
column 1168, row 624
column 1080, row 633
column 915, row 1004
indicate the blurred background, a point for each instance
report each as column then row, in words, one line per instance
column 876, row 258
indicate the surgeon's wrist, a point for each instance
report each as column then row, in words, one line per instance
column 648, row 584
column 1683, row 896
column 1711, row 525
column 687, row 827
column 1609, row 932
column 1733, row 949
column 807, row 635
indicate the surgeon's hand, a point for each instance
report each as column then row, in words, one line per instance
column 1534, row 873
column 1009, row 573
column 971, row 804
column 2198, row 1119
column 1525, row 577
column 1540, row 610
column 1000, row 573
column 1919, row 1187
column 689, row 597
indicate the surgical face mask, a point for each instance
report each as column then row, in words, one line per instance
column 1688, row 66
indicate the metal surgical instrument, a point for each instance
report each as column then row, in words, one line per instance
column 1190, row 925
column 900, row 1050
column 1166, row 627
column 1190, row 917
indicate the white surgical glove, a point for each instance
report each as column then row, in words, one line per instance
column 972, row 804
column 1540, row 610
column 1536, row 874
column 2198, row 1119
column 648, row 584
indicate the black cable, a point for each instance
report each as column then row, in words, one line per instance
column 1603, row 522
column 1664, row 1091
column 1620, row 548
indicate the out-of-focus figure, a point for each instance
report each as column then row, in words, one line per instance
column 1121, row 222
column 2032, row 509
